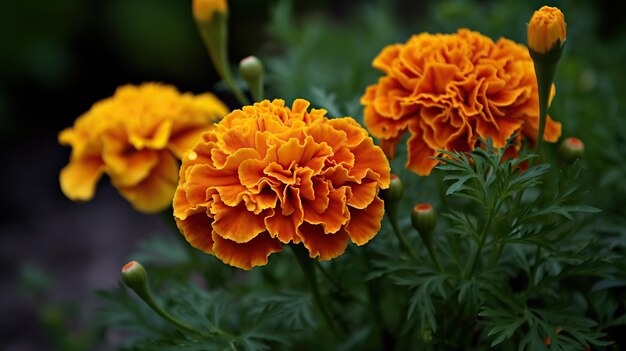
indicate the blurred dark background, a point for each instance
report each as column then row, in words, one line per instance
column 59, row 57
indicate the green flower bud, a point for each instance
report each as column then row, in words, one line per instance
column 424, row 218
column 395, row 190
column 571, row 149
column 250, row 68
column 135, row 277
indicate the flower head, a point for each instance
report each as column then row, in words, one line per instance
column 448, row 90
column 135, row 137
column 269, row 175
column 546, row 30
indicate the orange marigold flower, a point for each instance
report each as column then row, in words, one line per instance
column 269, row 175
column 450, row 89
column 135, row 137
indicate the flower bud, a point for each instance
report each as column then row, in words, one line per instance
column 546, row 30
column 135, row 277
column 395, row 190
column 571, row 149
column 251, row 70
column 203, row 10
column 424, row 218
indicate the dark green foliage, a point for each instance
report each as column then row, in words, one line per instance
column 526, row 254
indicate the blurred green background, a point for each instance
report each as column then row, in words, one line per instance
column 58, row 58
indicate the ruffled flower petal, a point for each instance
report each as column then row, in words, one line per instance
column 321, row 245
column 450, row 90
column 156, row 191
column 246, row 255
column 365, row 222
column 273, row 175
column 196, row 229
column 135, row 135
column 79, row 178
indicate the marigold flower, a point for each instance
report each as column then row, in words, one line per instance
column 546, row 29
column 135, row 137
column 450, row 89
column 269, row 175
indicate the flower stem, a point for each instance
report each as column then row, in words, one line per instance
column 215, row 37
column 337, row 285
column 143, row 291
column 545, row 76
column 309, row 272
column 400, row 235
column 482, row 239
column 433, row 254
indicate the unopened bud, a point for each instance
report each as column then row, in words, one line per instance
column 546, row 30
column 395, row 190
column 203, row 10
column 250, row 68
column 135, row 277
column 571, row 149
column 424, row 218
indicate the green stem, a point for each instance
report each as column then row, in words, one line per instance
column 533, row 271
column 256, row 89
column 482, row 239
column 374, row 288
column 215, row 37
column 545, row 76
column 400, row 235
column 431, row 251
column 309, row 272
column 149, row 300
column 337, row 285
column 143, row 291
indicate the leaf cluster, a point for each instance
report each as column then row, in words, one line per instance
column 519, row 258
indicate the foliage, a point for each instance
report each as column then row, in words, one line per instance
column 531, row 249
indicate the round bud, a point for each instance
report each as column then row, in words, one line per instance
column 135, row 276
column 395, row 190
column 424, row 218
column 571, row 149
column 250, row 68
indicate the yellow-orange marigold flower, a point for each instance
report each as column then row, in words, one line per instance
column 546, row 29
column 268, row 175
column 450, row 89
column 135, row 137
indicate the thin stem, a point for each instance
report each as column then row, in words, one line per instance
column 517, row 201
column 143, row 291
column 215, row 37
column 400, row 235
column 482, row 239
column 432, row 252
column 533, row 271
column 309, row 272
column 387, row 339
column 545, row 76
column 336, row 284
column 149, row 300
